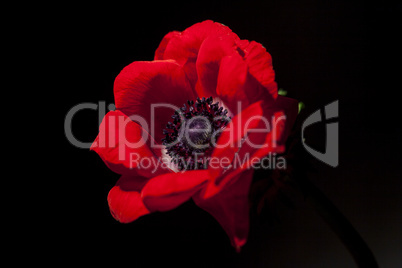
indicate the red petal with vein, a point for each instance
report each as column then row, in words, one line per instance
column 162, row 46
column 259, row 62
column 281, row 117
column 250, row 156
column 125, row 201
column 122, row 143
column 211, row 52
column 143, row 84
column 168, row 191
column 236, row 84
column 184, row 48
column 230, row 140
column 275, row 128
column 231, row 208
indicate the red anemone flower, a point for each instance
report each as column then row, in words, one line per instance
column 206, row 62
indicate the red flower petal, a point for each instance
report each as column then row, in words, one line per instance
column 231, row 208
column 141, row 84
column 122, row 143
column 236, row 84
column 279, row 121
column 162, row 46
column 230, row 140
column 125, row 201
column 211, row 52
column 259, row 62
column 280, row 118
column 184, row 48
column 168, row 191
column 249, row 155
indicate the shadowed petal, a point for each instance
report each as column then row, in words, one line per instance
column 230, row 141
column 259, row 130
column 260, row 66
column 168, row 191
column 231, row 208
column 122, row 143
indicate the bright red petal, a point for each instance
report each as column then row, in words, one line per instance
column 184, row 48
column 142, row 85
column 168, row 191
column 249, row 155
column 259, row 62
column 247, row 140
column 230, row 141
column 162, row 46
column 236, row 84
column 123, row 144
column 231, row 208
column 186, row 45
column 211, row 52
column 125, row 201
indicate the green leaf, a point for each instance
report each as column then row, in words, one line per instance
column 282, row 92
column 301, row 106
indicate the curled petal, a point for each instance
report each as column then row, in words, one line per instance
column 236, row 84
column 259, row 62
column 125, row 201
column 122, row 143
column 184, row 48
column 211, row 52
column 162, row 46
column 168, row 191
column 186, row 45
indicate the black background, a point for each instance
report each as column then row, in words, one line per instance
column 322, row 51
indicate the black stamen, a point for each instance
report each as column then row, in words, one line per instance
column 194, row 148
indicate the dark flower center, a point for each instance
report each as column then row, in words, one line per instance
column 199, row 131
column 193, row 133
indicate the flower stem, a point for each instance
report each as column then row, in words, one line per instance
column 339, row 224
